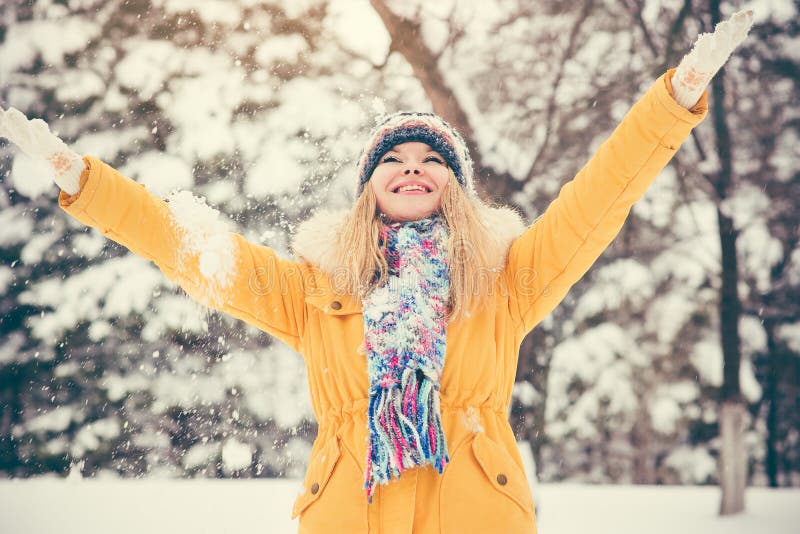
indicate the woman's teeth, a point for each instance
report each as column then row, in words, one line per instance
column 412, row 188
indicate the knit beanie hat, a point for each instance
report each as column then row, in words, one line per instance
column 429, row 128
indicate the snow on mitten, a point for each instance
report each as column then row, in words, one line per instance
column 34, row 138
column 709, row 54
column 206, row 246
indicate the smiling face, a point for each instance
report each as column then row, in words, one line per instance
column 409, row 181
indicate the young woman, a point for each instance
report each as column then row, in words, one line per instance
column 409, row 308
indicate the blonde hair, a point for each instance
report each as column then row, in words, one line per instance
column 470, row 249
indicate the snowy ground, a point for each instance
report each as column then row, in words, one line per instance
column 241, row 506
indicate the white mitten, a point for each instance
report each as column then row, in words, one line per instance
column 36, row 140
column 709, row 54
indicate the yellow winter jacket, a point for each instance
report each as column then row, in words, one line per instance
column 483, row 489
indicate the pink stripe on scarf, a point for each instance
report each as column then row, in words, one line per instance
column 400, row 440
column 411, row 395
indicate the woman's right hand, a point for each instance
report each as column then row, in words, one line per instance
column 708, row 55
column 34, row 138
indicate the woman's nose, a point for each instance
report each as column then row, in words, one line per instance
column 415, row 171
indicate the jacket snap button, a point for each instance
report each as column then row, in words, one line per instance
column 314, row 488
column 336, row 305
column 501, row 479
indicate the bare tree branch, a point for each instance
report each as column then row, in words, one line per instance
column 363, row 57
column 674, row 33
column 711, row 192
column 635, row 8
column 569, row 51
column 454, row 34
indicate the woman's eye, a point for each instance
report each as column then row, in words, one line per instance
column 434, row 158
column 389, row 158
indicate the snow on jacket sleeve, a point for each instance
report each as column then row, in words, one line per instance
column 266, row 290
column 561, row 245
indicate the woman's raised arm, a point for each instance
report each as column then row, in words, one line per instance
column 185, row 239
column 561, row 245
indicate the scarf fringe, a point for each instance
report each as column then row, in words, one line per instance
column 390, row 415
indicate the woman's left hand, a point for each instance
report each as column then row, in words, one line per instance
column 709, row 54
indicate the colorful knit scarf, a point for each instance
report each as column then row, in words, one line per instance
column 405, row 340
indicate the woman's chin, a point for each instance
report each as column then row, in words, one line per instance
column 405, row 216
column 411, row 211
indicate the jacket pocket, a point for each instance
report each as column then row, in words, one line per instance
column 333, row 499
column 504, row 475
column 319, row 470
column 483, row 490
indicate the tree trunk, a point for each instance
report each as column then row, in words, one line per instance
column 644, row 469
column 771, row 394
column 733, row 457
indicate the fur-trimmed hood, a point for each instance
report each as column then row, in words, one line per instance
column 315, row 239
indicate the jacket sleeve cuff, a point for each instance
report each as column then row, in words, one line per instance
column 665, row 94
column 88, row 184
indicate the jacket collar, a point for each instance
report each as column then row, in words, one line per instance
column 314, row 243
